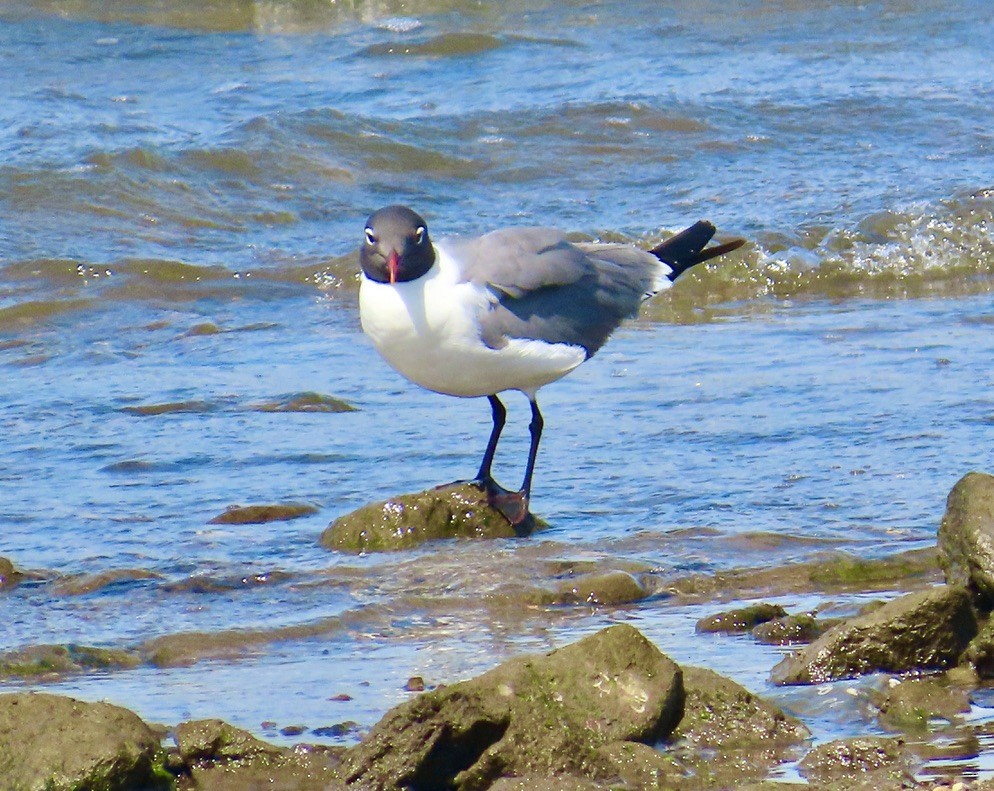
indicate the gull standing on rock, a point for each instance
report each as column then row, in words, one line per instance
column 514, row 309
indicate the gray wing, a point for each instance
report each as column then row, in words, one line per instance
column 547, row 288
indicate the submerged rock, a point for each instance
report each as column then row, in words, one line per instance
column 927, row 630
column 540, row 715
column 43, row 660
column 55, row 743
column 305, row 402
column 458, row 510
column 260, row 514
column 740, row 620
column 966, row 535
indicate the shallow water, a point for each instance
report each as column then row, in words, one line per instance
column 180, row 192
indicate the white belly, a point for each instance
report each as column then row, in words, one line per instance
column 426, row 329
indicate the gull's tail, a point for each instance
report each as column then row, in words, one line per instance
column 689, row 247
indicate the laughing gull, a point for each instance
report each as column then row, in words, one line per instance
column 514, row 309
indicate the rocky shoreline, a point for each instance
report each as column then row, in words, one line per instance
column 608, row 711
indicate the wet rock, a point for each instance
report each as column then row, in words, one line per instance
column 260, row 514
column 43, row 660
column 728, row 734
column 454, row 511
column 81, row 584
column 55, row 743
column 838, row 572
column 872, row 763
column 540, row 715
column 966, row 535
column 927, row 630
column 216, row 740
column 9, row 576
column 914, row 704
column 174, row 407
column 305, row 402
column 607, row 589
column 216, row 756
column 740, row 620
column 980, row 653
column 800, row 628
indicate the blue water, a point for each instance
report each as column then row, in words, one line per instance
column 181, row 192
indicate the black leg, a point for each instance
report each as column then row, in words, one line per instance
column 535, row 429
column 499, row 416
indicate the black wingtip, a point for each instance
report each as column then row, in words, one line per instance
column 689, row 248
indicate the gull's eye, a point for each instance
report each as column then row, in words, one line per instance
column 370, row 237
column 419, row 234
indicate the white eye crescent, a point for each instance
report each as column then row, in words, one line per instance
column 370, row 238
column 419, row 234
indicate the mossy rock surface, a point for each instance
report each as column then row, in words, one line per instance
column 915, row 704
column 56, row 743
column 217, row 756
column 546, row 716
column 966, row 535
column 740, row 620
column 9, row 576
column 606, row 589
column 870, row 762
column 922, row 631
column 456, row 510
column 43, row 660
column 260, row 514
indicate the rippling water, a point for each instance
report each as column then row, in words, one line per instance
column 181, row 189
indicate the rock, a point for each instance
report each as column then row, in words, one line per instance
column 216, row 740
column 801, row 628
column 41, row 660
column 540, row 715
column 740, row 620
column 82, row 584
column 55, row 743
column 966, row 535
column 728, row 734
column 305, row 402
column 457, row 510
column 871, row 763
column 927, row 630
column 980, row 652
column 260, row 514
column 913, row 704
column 219, row 757
column 9, row 576
column 607, row 589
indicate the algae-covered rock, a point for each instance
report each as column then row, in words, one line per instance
column 871, row 762
column 454, row 511
column 260, row 514
column 800, row 628
column 927, row 630
column 41, row 660
column 914, row 704
column 607, row 589
column 216, row 740
column 980, row 652
column 55, row 743
column 219, row 757
column 305, row 402
column 740, row 620
column 966, row 535
column 9, row 576
column 728, row 734
column 539, row 715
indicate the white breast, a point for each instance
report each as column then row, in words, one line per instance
column 428, row 330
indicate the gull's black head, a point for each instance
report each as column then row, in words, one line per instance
column 396, row 248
